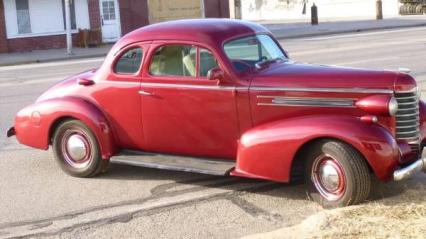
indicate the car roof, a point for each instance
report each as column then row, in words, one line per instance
column 209, row 31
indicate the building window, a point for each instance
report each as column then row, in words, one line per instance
column 23, row 16
column 72, row 11
column 108, row 10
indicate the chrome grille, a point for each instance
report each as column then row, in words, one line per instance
column 407, row 118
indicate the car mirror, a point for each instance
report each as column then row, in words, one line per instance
column 216, row 74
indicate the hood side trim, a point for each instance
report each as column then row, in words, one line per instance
column 333, row 90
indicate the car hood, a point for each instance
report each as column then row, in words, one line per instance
column 299, row 75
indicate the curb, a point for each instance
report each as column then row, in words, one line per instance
column 302, row 35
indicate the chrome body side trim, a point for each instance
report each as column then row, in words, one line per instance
column 190, row 86
column 257, row 88
column 328, row 90
column 118, row 82
column 306, row 101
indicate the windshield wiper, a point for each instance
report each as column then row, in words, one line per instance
column 264, row 63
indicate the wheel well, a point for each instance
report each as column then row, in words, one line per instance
column 298, row 164
column 55, row 125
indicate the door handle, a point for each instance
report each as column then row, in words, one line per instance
column 145, row 93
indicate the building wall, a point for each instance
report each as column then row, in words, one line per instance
column 160, row 11
column 38, row 43
column 42, row 36
column 3, row 40
column 94, row 14
column 216, row 8
column 133, row 15
column 139, row 13
column 259, row 10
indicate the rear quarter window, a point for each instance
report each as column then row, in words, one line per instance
column 129, row 62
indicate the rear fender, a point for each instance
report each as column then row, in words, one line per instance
column 268, row 151
column 35, row 123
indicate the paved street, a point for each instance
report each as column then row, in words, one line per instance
column 37, row 199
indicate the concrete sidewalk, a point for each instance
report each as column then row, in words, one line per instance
column 281, row 29
column 336, row 26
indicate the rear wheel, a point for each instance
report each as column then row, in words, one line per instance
column 76, row 149
column 336, row 175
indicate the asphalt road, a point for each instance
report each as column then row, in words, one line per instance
column 37, row 199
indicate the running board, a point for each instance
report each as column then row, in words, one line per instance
column 171, row 162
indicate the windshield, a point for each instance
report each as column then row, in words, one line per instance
column 248, row 51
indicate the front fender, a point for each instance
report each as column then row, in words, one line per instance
column 268, row 151
column 33, row 124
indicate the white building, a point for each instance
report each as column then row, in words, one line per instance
column 259, row 10
column 27, row 18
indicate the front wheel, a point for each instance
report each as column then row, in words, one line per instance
column 76, row 149
column 336, row 175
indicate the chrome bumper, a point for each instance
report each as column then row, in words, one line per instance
column 403, row 173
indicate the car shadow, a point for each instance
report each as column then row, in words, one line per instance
column 390, row 192
column 177, row 179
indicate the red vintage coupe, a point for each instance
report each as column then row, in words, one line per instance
column 222, row 97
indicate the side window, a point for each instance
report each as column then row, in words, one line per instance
column 129, row 62
column 207, row 62
column 174, row 60
column 243, row 49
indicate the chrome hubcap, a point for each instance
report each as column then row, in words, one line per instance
column 76, row 147
column 328, row 177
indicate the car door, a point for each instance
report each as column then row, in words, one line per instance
column 182, row 111
column 118, row 94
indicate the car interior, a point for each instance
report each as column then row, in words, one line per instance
column 177, row 60
column 174, row 60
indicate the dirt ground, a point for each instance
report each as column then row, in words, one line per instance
column 397, row 210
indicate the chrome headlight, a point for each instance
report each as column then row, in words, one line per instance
column 393, row 106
